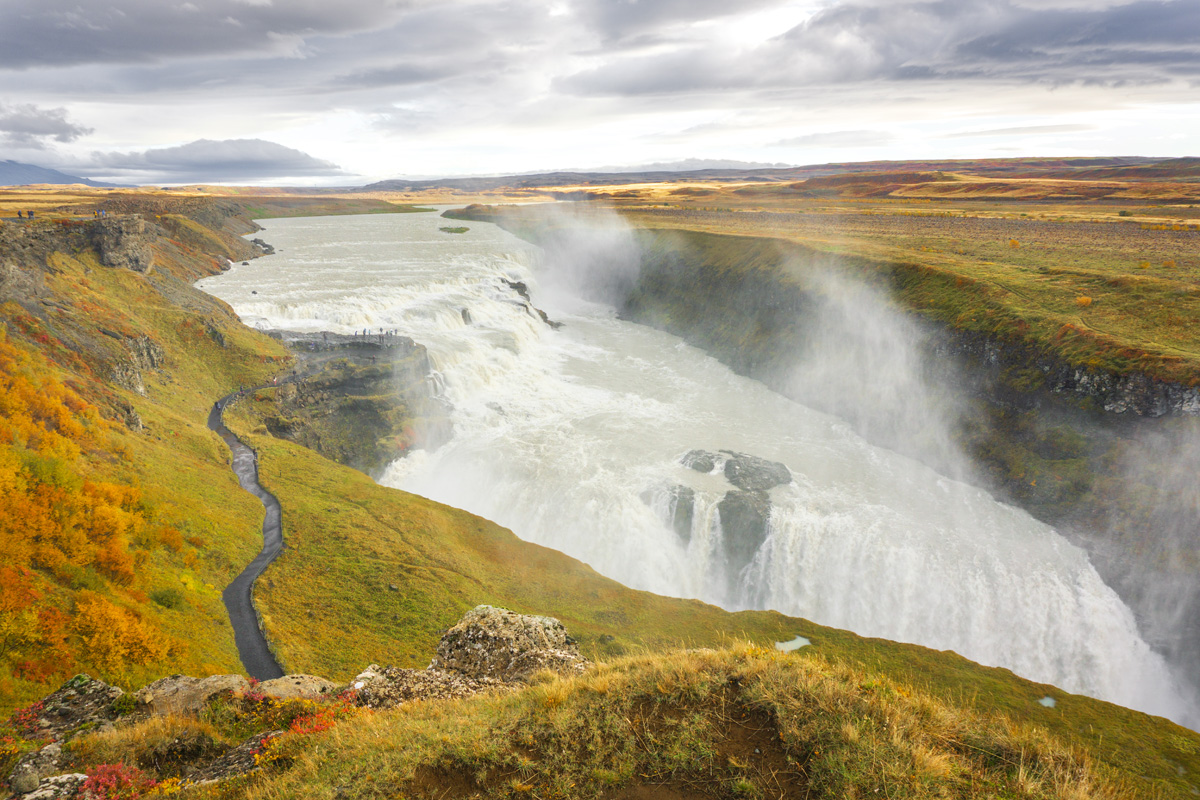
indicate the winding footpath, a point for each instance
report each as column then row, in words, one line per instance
column 257, row 658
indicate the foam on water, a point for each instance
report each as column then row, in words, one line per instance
column 572, row 438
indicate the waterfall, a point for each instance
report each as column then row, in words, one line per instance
column 573, row 438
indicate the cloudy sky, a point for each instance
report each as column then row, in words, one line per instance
column 349, row 91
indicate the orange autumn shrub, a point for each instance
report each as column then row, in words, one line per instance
column 65, row 538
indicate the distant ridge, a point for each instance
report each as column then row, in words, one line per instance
column 14, row 173
column 1113, row 168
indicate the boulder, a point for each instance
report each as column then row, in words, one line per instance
column 744, row 518
column 32, row 767
column 60, row 787
column 683, row 509
column 181, row 694
column 388, row 687
column 80, row 701
column 290, row 687
column 491, row 642
column 700, row 460
column 754, row 474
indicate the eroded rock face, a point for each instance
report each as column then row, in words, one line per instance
column 362, row 401
column 683, row 507
column 144, row 354
column 744, row 518
column 491, row 642
column 293, row 686
column 123, row 242
column 184, row 695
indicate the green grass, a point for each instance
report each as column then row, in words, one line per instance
column 740, row 721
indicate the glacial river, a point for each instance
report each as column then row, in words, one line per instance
column 573, row 437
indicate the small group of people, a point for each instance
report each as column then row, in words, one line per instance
column 24, row 215
column 100, row 213
column 380, row 334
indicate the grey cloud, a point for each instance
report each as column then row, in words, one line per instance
column 999, row 40
column 27, row 126
column 63, row 32
column 403, row 74
column 204, row 160
column 839, row 139
column 1027, row 130
column 626, row 19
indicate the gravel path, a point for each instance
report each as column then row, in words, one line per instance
column 257, row 658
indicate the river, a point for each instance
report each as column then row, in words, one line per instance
column 573, row 439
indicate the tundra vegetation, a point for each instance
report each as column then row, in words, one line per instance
column 132, row 523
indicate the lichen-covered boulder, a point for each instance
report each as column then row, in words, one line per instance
column 59, row 787
column 185, row 695
column 82, row 700
column 388, row 687
column 32, row 767
column 491, row 642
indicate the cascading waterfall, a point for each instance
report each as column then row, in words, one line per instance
column 573, row 438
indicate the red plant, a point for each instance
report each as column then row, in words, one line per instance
column 25, row 720
column 116, row 782
column 323, row 720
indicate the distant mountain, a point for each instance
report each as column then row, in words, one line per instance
column 550, row 179
column 693, row 165
column 14, row 173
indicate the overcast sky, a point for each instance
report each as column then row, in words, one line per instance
column 342, row 92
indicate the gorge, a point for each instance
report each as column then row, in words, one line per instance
column 575, row 438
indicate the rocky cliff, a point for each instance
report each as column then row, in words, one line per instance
column 362, row 401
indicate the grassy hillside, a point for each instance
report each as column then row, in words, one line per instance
column 144, row 523
column 738, row 722
column 136, row 591
column 350, row 541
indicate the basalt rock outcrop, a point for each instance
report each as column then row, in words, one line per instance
column 745, row 510
column 489, row 649
column 124, row 242
column 291, row 687
column 522, row 291
column 362, row 400
column 81, row 702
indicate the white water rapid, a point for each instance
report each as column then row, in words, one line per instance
column 573, row 439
